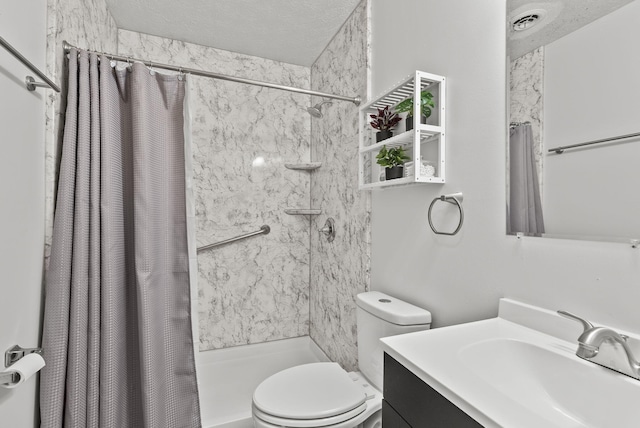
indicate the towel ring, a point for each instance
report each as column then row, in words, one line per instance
column 455, row 199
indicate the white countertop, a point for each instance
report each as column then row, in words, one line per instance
column 519, row 370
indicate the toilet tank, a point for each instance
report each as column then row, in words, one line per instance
column 380, row 315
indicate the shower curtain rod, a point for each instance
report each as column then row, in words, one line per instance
column 29, row 81
column 514, row 124
column 356, row 100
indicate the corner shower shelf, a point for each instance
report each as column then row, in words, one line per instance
column 425, row 141
column 302, row 211
column 307, row 166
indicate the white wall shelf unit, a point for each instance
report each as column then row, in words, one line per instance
column 426, row 141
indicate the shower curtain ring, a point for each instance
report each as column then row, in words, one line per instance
column 151, row 72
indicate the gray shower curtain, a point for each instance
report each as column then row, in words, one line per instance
column 525, row 206
column 117, row 332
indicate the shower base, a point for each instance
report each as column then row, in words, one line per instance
column 228, row 377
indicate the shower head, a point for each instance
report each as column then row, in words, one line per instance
column 316, row 110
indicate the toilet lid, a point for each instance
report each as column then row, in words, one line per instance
column 309, row 391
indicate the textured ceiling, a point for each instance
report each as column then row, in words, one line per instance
column 292, row 31
column 562, row 18
column 296, row 31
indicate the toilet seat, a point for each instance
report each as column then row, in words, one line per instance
column 309, row 395
column 333, row 421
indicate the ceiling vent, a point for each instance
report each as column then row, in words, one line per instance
column 526, row 20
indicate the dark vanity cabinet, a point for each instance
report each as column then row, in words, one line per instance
column 411, row 403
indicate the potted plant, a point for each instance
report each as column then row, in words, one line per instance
column 383, row 122
column 392, row 160
column 426, row 104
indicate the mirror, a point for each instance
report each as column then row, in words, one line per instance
column 574, row 78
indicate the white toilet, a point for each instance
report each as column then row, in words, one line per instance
column 323, row 394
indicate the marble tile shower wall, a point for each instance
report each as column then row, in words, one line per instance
column 86, row 24
column 254, row 290
column 340, row 269
column 526, row 98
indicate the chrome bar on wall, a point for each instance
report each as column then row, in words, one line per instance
column 263, row 230
column 356, row 100
column 560, row 150
column 30, row 81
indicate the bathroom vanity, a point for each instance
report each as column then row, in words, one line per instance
column 410, row 402
column 519, row 369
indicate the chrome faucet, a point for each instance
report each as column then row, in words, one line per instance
column 593, row 337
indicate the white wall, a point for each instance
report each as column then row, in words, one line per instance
column 23, row 24
column 590, row 93
column 460, row 278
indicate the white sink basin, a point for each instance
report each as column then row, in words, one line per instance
column 506, row 374
column 554, row 383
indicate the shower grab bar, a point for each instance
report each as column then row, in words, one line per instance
column 30, row 81
column 263, row 230
column 560, row 150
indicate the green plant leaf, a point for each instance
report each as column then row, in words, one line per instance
column 405, row 105
column 391, row 157
column 426, row 101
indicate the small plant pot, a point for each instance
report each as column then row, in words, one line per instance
column 408, row 122
column 393, row 172
column 383, row 135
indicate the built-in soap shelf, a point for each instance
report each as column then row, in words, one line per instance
column 302, row 211
column 307, row 166
column 304, row 166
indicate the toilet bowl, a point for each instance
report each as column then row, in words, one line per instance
column 315, row 395
column 324, row 394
